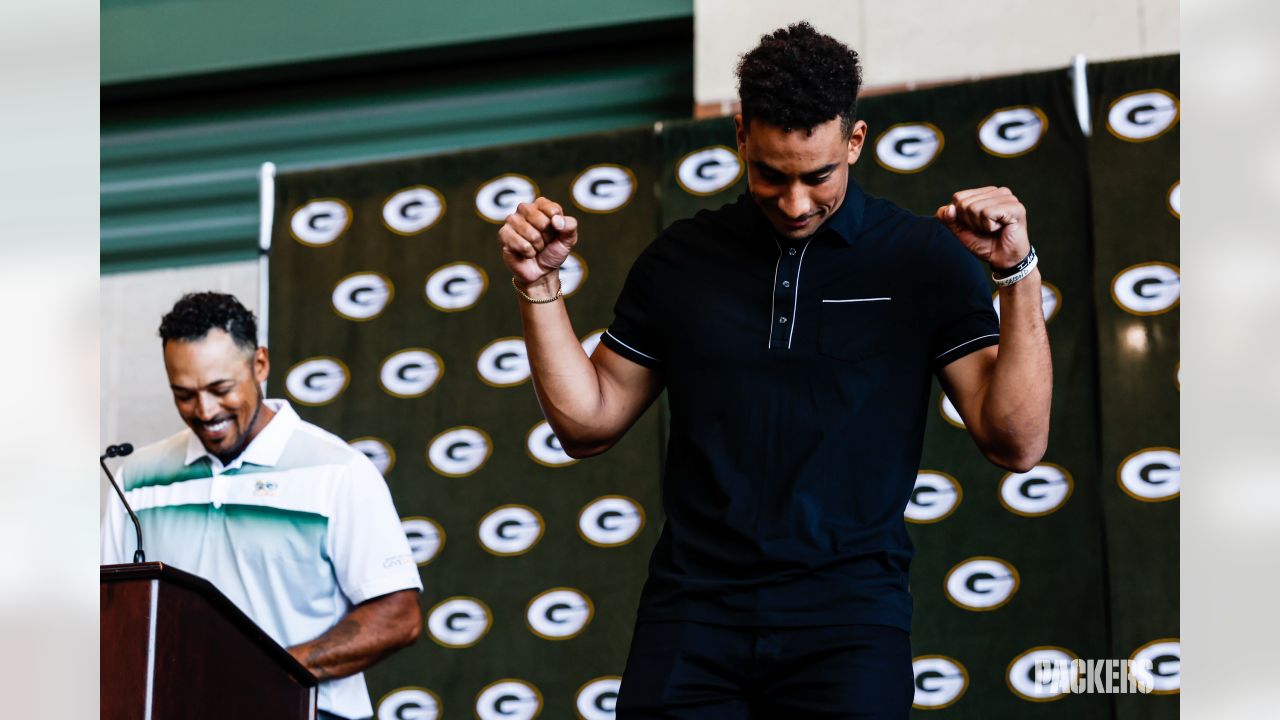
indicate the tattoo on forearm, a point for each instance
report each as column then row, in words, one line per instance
column 343, row 633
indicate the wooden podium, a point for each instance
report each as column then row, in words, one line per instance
column 174, row 647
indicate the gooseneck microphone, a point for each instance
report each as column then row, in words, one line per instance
column 120, row 451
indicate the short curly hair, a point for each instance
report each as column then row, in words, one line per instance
column 799, row 78
column 195, row 314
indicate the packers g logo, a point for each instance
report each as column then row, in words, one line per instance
column 1050, row 300
column 604, row 188
column 1165, row 675
column 573, row 272
column 940, row 681
column 459, row 451
column 1151, row 474
column 1021, row 676
column 709, row 170
column 1174, row 199
column 544, row 447
column 426, row 538
column 317, row 381
column 379, row 452
column 498, row 198
column 1039, row 491
column 510, row 530
column 598, row 699
column 935, row 496
column 949, row 412
column 456, row 286
column 908, row 147
column 981, row 583
column 362, row 296
column 409, row 703
column 508, row 699
column 503, row 363
column 412, row 210
column 1143, row 115
column 591, row 340
column 320, row 222
column 411, row 372
column 559, row 613
column 610, row 521
column 1147, row 288
column 1012, row 131
column 459, row 621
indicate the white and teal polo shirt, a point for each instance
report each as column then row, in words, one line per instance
column 295, row 531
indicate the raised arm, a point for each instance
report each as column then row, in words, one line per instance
column 590, row 402
column 1003, row 393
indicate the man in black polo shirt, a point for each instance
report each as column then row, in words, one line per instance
column 796, row 331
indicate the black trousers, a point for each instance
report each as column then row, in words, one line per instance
column 696, row 670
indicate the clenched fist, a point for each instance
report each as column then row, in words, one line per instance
column 991, row 223
column 536, row 239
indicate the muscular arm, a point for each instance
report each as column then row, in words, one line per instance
column 1003, row 393
column 590, row 402
column 370, row 632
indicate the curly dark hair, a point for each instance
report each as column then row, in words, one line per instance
column 799, row 78
column 193, row 316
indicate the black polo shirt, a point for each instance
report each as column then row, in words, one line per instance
column 798, row 377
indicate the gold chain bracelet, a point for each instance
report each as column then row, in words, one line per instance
column 559, row 294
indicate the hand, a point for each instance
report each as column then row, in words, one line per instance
column 991, row 223
column 536, row 239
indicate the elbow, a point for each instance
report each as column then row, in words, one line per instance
column 410, row 626
column 579, row 450
column 1019, row 459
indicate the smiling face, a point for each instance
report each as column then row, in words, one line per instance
column 798, row 178
column 216, row 388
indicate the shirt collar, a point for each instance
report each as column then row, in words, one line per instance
column 266, row 447
column 845, row 223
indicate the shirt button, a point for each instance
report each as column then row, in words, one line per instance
column 791, row 251
column 782, row 320
column 786, row 283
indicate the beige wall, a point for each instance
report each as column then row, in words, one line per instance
column 913, row 41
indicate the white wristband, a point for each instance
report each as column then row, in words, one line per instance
column 1006, row 282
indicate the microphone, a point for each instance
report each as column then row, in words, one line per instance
column 120, row 451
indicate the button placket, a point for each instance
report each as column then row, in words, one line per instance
column 786, row 283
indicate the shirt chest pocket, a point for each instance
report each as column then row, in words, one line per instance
column 854, row 327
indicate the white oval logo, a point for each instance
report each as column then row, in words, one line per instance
column 510, row 530
column 544, row 447
column 908, row 147
column 598, row 699
column 559, row 613
column 362, row 296
column 604, row 188
column 1026, row 674
column 1152, row 474
column 320, row 222
column 936, row 495
column 709, row 170
column 949, row 412
column 981, row 583
column 1039, row 491
column 503, row 362
column 317, row 380
column 1013, row 131
column 498, row 198
column 409, row 703
column 508, row 699
column 459, row 622
column 379, row 452
column 573, row 272
column 413, row 210
column 590, row 342
column 459, row 451
column 1050, row 300
column 456, row 286
column 1147, row 289
column 411, row 372
column 1174, row 199
column 940, row 681
column 1165, row 674
column 1142, row 116
column 610, row 521
column 426, row 538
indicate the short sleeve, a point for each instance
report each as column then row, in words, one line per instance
column 371, row 555
column 633, row 333
column 964, row 318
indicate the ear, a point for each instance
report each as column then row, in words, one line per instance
column 740, row 131
column 856, row 138
column 261, row 365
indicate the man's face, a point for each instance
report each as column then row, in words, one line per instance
column 215, row 387
column 798, row 178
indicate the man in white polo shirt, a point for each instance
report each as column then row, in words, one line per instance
column 291, row 523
